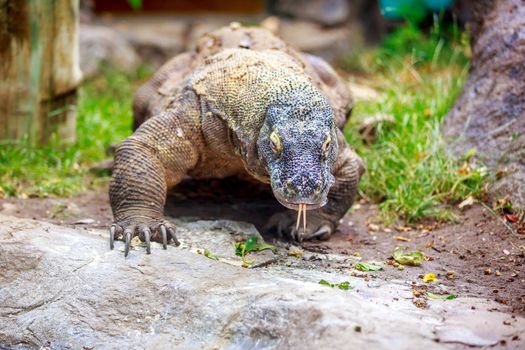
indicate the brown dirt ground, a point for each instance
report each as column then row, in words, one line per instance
column 480, row 255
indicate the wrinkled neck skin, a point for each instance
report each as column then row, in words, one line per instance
column 301, row 173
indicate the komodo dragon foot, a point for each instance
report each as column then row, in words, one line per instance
column 147, row 230
column 319, row 225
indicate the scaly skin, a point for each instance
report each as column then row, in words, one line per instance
column 242, row 104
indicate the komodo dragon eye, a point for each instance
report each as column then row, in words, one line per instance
column 326, row 145
column 275, row 142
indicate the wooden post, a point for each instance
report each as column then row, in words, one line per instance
column 39, row 69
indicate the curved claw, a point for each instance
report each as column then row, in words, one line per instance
column 112, row 237
column 164, row 236
column 147, row 235
column 299, row 235
column 127, row 235
column 172, row 234
column 323, row 231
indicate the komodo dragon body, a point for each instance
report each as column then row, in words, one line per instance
column 245, row 104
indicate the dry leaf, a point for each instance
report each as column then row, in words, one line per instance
column 513, row 218
column 467, row 202
column 373, row 227
column 296, row 253
column 429, row 277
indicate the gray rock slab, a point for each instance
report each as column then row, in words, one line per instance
column 63, row 288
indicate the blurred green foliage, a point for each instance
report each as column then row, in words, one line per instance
column 409, row 172
column 104, row 118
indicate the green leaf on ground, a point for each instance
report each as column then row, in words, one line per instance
column 251, row 245
column 367, row 267
column 343, row 285
column 414, row 258
column 441, row 297
column 210, row 255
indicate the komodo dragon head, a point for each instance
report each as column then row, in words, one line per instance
column 298, row 144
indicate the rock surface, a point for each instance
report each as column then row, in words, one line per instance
column 325, row 12
column 63, row 288
column 490, row 113
column 100, row 45
column 156, row 40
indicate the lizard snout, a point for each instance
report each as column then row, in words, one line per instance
column 304, row 188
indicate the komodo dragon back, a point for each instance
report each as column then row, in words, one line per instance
column 155, row 95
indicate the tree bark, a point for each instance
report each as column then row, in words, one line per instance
column 39, row 69
column 490, row 113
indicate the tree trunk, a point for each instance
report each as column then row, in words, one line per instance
column 490, row 113
column 39, row 69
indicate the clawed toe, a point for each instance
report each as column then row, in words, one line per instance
column 127, row 237
column 300, row 235
column 164, row 237
column 173, row 237
column 322, row 233
column 112, row 230
column 162, row 232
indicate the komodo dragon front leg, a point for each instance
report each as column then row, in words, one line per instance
column 147, row 164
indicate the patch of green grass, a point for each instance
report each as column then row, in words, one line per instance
column 104, row 117
column 409, row 172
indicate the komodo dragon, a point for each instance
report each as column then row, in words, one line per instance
column 242, row 103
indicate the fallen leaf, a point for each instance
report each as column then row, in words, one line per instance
column 441, row 297
column 343, row 285
column 251, row 245
column 419, row 291
column 502, row 172
column 414, row 258
column 209, row 255
column 420, row 303
column 467, row 202
column 429, row 244
column 296, row 253
column 373, row 227
column 513, row 218
column 429, row 277
column 401, row 238
column 367, row 267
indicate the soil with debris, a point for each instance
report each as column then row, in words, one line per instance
column 478, row 256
